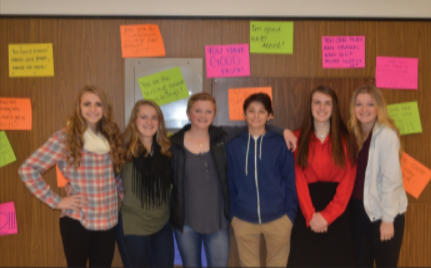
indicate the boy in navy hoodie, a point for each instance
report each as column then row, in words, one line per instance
column 261, row 175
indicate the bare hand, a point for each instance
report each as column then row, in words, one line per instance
column 75, row 203
column 319, row 230
column 121, row 195
column 386, row 231
column 290, row 139
column 318, row 223
column 69, row 189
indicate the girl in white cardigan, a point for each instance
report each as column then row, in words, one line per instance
column 379, row 199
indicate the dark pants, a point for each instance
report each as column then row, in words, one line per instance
column 136, row 250
column 81, row 244
column 366, row 236
column 216, row 246
column 331, row 249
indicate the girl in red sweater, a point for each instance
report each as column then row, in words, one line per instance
column 325, row 174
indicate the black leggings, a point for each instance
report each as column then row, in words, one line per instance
column 366, row 236
column 81, row 244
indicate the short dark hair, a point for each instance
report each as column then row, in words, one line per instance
column 262, row 98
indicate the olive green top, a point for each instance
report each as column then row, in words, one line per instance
column 139, row 220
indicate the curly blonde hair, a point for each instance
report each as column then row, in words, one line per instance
column 76, row 126
column 382, row 114
column 133, row 144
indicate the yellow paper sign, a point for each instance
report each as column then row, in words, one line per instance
column 28, row 60
column 15, row 114
column 406, row 117
column 237, row 97
column 271, row 37
column 415, row 175
column 7, row 155
column 164, row 87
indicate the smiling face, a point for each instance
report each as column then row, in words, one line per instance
column 201, row 114
column 147, row 121
column 91, row 110
column 321, row 107
column 256, row 115
column 365, row 109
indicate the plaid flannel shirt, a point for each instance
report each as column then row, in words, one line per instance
column 93, row 179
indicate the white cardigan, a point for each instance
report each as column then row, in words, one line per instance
column 384, row 194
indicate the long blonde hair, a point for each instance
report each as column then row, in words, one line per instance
column 133, row 144
column 382, row 113
column 76, row 126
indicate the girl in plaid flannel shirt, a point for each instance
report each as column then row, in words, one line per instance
column 86, row 151
column 143, row 228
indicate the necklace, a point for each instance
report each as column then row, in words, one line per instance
column 321, row 136
column 201, row 142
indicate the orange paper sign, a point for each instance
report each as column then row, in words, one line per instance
column 415, row 175
column 15, row 114
column 61, row 180
column 142, row 40
column 237, row 97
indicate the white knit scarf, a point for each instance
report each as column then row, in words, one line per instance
column 97, row 144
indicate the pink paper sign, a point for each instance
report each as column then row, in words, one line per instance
column 397, row 73
column 227, row 60
column 343, row 52
column 8, row 223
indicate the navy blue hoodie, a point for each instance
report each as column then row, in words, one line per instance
column 261, row 175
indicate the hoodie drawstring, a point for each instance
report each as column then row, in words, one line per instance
column 261, row 141
column 246, row 156
column 248, row 149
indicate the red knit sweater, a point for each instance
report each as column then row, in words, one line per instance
column 321, row 168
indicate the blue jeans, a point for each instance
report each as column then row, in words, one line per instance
column 136, row 250
column 216, row 247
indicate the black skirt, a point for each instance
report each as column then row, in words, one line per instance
column 333, row 248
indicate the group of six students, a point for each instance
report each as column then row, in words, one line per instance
column 245, row 175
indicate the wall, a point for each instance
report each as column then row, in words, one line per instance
column 87, row 51
column 418, row 9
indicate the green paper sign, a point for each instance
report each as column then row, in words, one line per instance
column 271, row 37
column 406, row 117
column 164, row 87
column 7, row 155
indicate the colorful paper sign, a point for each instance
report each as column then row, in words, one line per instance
column 7, row 155
column 61, row 180
column 237, row 97
column 142, row 40
column 343, row 52
column 406, row 117
column 227, row 60
column 397, row 73
column 270, row 37
column 8, row 223
column 415, row 175
column 164, row 87
column 15, row 114
column 28, row 60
